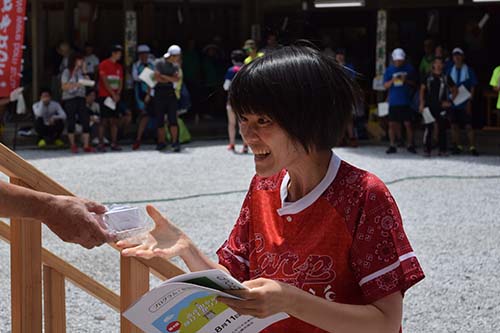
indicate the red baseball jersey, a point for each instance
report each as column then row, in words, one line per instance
column 344, row 241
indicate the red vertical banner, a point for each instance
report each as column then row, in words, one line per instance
column 12, row 13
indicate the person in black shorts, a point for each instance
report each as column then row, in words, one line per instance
column 165, row 101
column 399, row 79
column 434, row 94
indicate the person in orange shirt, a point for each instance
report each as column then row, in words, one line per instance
column 317, row 237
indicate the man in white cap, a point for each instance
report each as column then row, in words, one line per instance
column 142, row 92
column 461, row 114
column 399, row 79
column 166, row 73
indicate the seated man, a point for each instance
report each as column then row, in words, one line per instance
column 49, row 120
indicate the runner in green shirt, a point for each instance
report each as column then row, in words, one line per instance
column 495, row 83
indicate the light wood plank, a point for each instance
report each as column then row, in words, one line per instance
column 134, row 282
column 26, row 273
column 54, row 300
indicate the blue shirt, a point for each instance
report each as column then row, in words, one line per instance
column 468, row 81
column 400, row 93
column 231, row 72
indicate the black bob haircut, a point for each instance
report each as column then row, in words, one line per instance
column 304, row 91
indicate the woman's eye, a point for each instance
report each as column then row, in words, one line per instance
column 263, row 121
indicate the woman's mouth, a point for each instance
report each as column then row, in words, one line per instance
column 261, row 154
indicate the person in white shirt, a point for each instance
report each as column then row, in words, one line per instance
column 49, row 120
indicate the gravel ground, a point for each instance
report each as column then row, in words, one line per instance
column 451, row 221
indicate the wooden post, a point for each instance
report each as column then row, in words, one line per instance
column 134, row 282
column 54, row 301
column 26, row 273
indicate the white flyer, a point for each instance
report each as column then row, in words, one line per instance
column 148, row 76
column 427, row 116
column 383, row 109
column 110, row 103
column 462, row 96
column 86, row 82
column 187, row 303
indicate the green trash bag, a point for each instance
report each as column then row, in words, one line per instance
column 184, row 135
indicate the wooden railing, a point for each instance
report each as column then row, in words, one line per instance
column 32, row 265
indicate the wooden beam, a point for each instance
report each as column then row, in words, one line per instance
column 54, row 300
column 14, row 165
column 134, row 282
column 26, row 273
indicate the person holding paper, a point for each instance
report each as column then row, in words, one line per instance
column 399, row 79
column 73, row 96
column 461, row 115
column 317, row 237
column 70, row 218
column 434, row 95
column 110, row 89
column 142, row 92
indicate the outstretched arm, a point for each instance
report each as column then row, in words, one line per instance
column 167, row 241
column 69, row 218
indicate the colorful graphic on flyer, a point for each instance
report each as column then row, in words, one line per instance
column 191, row 314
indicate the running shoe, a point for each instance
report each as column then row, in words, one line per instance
column 74, row 149
column 245, row 149
column 391, row 150
column 473, row 151
column 161, row 146
column 411, row 149
column 116, row 147
column 136, row 145
column 42, row 144
column 59, row 143
column 457, row 150
column 89, row 149
column 176, row 147
column 230, row 147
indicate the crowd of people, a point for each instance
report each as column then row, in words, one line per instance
column 441, row 93
column 91, row 96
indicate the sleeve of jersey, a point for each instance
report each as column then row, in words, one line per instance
column 381, row 255
column 234, row 253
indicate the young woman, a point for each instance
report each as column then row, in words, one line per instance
column 73, row 95
column 317, row 237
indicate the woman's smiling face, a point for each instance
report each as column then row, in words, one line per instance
column 273, row 148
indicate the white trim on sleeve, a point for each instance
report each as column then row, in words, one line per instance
column 240, row 259
column 387, row 269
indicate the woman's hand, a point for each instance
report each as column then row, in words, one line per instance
column 264, row 298
column 166, row 240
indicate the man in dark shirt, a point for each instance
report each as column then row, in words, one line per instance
column 165, row 102
column 434, row 94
